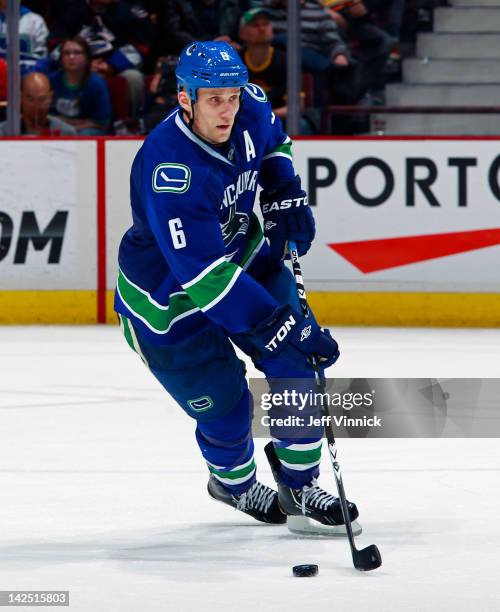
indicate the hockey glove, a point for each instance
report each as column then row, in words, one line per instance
column 288, row 334
column 287, row 216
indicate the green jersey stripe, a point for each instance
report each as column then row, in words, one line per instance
column 213, row 285
column 147, row 294
column 227, row 289
column 282, row 150
column 135, row 342
column 278, row 154
column 126, row 331
column 232, row 475
column 204, row 272
column 202, row 292
column 236, row 481
column 299, row 456
column 300, row 467
column 157, row 318
column 255, row 241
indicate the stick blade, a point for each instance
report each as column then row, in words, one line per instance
column 367, row 559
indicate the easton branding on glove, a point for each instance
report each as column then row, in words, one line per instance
column 287, row 216
column 287, row 334
column 281, row 334
column 292, row 203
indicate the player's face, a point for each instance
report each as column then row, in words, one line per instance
column 215, row 111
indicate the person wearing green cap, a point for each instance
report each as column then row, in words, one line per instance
column 266, row 64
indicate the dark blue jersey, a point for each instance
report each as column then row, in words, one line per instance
column 89, row 100
column 196, row 248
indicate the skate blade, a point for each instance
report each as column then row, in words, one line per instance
column 302, row 525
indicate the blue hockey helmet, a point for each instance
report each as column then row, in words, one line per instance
column 209, row 64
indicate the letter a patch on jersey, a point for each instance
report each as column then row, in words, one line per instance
column 249, row 146
column 174, row 178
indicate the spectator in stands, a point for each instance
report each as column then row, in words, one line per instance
column 266, row 64
column 36, row 97
column 220, row 18
column 33, row 34
column 374, row 43
column 325, row 52
column 80, row 97
column 389, row 12
column 389, row 15
column 162, row 95
column 119, row 35
column 183, row 21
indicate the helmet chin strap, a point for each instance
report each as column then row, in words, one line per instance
column 191, row 119
column 241, row 104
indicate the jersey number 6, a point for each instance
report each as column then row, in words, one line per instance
column 177, row 233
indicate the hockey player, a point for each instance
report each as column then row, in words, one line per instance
column 196, row 272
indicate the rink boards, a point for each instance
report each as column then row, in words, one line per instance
column 408, row 230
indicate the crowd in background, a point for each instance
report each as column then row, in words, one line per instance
column 94, row 67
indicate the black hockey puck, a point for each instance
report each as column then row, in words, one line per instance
column 304, row 571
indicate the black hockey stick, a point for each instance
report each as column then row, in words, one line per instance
column 367, row 558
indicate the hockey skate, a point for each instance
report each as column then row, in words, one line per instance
column 260, row 502
column 311, row 509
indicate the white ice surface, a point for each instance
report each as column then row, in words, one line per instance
column 102, row 489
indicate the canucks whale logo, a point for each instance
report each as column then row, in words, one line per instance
column 236, row 224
